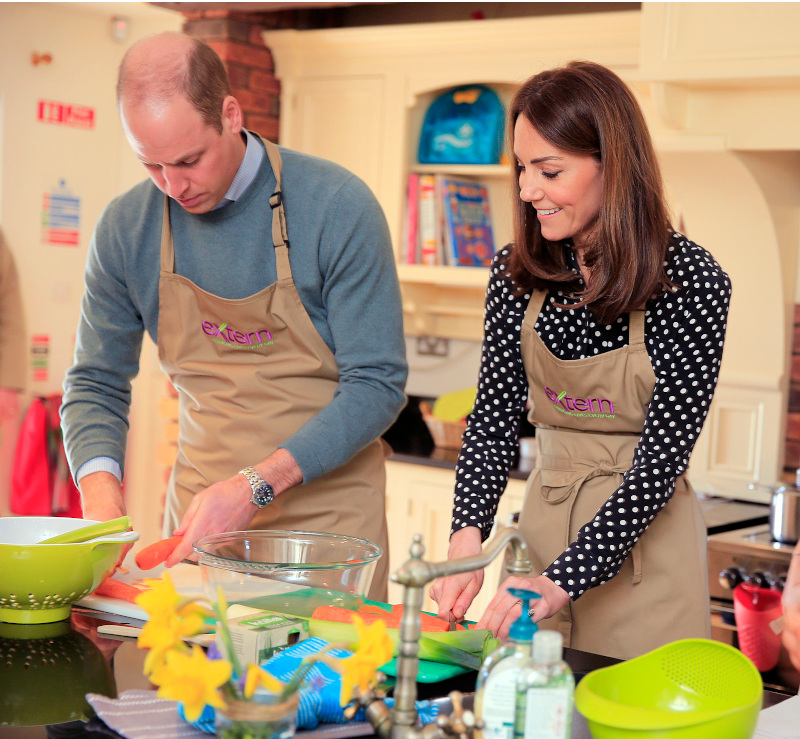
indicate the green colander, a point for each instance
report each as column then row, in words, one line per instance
column 40, row 582
column 689, row 689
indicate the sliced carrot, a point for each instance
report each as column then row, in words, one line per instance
column 111, row 588
column 155, row 554
column 374, row 609
column 427, row 622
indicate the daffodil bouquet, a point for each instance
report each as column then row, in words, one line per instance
column 188, row 675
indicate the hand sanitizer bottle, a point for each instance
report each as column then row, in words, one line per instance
column 495, row 691
column 545, row 689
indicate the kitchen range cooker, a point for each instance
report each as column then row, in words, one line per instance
column 751, row 555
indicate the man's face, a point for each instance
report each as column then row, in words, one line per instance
column 187, row 159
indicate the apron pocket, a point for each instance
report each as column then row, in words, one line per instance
column 557, row 485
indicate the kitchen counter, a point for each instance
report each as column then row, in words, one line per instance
column 44, row 680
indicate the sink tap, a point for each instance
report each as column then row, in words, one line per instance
column 401, row 721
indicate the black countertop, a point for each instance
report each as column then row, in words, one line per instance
column 46, row 670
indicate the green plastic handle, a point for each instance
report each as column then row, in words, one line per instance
column 114, row 526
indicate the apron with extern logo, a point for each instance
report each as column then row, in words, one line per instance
column 249, row 373
column 589, row 416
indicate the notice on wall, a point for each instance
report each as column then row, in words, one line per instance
column 40, row 357
column 61, row 216
column 66, row 114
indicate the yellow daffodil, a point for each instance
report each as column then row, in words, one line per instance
column 192, row 679
column 256, row 677
column 374, row 649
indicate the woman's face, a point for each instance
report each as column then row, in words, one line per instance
column 565, row 189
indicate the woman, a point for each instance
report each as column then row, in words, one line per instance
column 611, row 325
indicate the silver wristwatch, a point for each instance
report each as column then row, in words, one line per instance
column 262, row 490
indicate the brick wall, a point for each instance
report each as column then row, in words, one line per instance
column 236, row 37
column 792, row 458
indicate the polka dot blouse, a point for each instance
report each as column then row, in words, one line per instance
column 684, row 335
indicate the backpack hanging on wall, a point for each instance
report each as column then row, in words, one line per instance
column 463, row 126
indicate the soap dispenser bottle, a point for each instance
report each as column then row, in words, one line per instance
column 545, row 690
column 495, row 691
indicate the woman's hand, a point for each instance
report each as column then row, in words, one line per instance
column 504, row 608
column 455, row 593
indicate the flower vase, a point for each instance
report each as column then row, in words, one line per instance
column 261, row 717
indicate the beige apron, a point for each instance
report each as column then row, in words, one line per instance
column 586, row 440
column 249, row 373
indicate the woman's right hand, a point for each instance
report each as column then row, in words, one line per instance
column 455, row 593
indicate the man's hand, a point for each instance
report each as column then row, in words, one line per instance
column 226, row 506
column 455, row 593
column 101, row 500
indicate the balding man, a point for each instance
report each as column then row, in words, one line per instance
column 266, row 279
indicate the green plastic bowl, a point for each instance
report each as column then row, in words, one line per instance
column 689, row 689
column 40, row 582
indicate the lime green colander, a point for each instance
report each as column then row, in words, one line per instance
column 40, row 582
column 689, row 689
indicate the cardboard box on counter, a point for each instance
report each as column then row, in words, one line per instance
column 257, row 636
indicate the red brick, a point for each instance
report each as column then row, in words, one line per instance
column 791, row 459
column 795, row 376
column 254, row 101
column 239, row 53
column 797, row 313
column 267, row 127
column 239, row 76
column 264, row 82
column 793, row 426
column 254, row 37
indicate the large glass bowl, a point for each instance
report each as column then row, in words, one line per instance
column 289, row 572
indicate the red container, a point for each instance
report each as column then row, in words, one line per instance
column 755, row 610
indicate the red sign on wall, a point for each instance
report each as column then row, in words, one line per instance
column 65, row 114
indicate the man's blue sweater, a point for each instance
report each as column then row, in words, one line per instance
column 343, row 268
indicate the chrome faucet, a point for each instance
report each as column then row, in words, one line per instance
column 401, row 721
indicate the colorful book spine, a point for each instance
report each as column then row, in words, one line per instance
column 429, row 223
column 410, row 235
column 468, row 223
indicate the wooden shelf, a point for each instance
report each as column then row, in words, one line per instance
column 466, row 277
column 464, row 170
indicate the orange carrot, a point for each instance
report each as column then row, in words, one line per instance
column 345, row 616
column 373, row 609
column 427, row 622
column 111, row 588
column 155, row 554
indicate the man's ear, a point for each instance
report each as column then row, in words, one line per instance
column 232, row 116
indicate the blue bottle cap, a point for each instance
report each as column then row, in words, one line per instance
column 523, row 628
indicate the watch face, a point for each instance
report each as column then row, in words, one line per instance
column 262, row 495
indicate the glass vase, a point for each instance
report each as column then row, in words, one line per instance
column 260, row 717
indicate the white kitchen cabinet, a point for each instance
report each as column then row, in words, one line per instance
column 420, row 501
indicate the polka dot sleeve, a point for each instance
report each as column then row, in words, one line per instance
column 684, row 335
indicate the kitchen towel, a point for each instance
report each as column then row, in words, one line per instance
column 779, row 721
column 138, row 714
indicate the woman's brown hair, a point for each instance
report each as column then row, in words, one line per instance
column 584, row 108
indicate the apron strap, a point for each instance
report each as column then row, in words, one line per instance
column 167, row 244
column 280, row 235
column 635, row 320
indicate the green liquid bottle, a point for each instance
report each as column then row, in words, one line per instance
column 545, row 690
column 495, row 691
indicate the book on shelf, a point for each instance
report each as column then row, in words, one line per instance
column 447, row 222
column 468, row 223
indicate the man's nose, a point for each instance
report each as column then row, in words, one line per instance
column 175, row 184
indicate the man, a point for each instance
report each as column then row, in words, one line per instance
column 276, row 314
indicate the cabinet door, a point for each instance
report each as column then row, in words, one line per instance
column 341, row 119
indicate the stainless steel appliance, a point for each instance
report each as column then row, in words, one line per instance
column 747, row 555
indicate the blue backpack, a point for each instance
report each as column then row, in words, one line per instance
column 463, row 126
